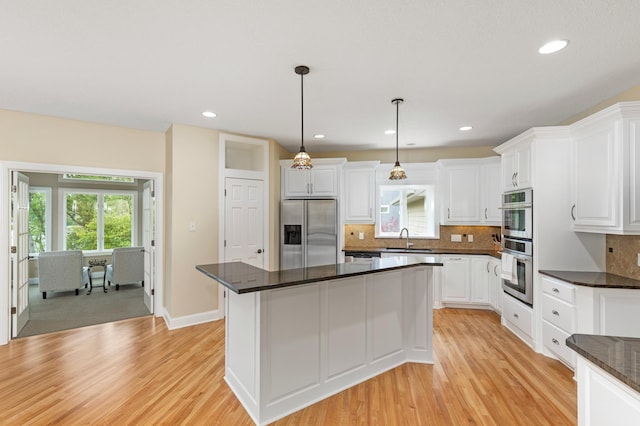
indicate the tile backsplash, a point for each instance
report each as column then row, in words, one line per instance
column 622, row 255
column 482, row 238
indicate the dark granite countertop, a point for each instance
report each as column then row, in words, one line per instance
column 594, row 279
column 435, row 251
column 240, row 277
column 617, row 356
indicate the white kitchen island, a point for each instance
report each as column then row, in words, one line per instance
column 295, row 337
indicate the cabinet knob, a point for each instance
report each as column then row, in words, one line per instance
column 448, row 213
column 556, row 313
column 488, row 267
column 554, row 340
column 555, row 290
column 573, row 212
column 516, row 315
column 485, row 213
column 259, row 251
column 495, row 270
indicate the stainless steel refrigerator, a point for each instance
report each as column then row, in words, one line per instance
column 308, row 232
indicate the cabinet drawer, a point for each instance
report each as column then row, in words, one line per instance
column 518, row 314
column 554, row 339
column 559, row 289
column 559, row 313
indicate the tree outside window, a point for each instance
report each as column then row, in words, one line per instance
column 99, row 220
column 39, row 219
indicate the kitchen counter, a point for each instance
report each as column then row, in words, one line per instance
column 241, row 278
column 615, row 355
column 594, row 279
column 297, row 336
column 438, row 251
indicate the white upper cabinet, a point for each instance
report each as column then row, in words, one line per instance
column 321, row 181
column 471, row 191
column 606, row 171
column 516, row 168
column 359, row 191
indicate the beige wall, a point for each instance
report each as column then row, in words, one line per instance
column 417, row 155
column 40, row 139
column 632, row 94
column 192, row 197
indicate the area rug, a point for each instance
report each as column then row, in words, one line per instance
column 64, row 310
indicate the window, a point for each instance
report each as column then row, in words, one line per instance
column 97, row 178
column 39, row 219
column 409, row 203
column 406, row 206
column 98, row 220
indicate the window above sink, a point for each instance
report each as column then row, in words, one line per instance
column 410, row 204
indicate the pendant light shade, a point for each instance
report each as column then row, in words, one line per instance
column 397, row 173
column 302, row 159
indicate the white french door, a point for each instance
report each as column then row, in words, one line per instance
column 19, row 252
column 148, row 228
column 244, row 209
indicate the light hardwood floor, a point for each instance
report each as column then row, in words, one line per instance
column 138, row 372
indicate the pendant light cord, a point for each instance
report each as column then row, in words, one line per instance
column 302, row 112
column 397, row 129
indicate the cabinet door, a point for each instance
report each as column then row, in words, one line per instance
column 595, row 178
column 480, row 269
column 492, row 195
column 463, row 194
column 359, row 195
column 523, row 170
column 296, row 182
column 456, row 279
column 496, row 282
column 324, row 181
column 509, row 168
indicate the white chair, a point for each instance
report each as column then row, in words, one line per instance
column 127, row 266
column 61, row 271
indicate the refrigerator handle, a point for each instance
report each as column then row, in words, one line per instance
column 305, row 221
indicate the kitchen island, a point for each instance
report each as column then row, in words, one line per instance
column 295, row 337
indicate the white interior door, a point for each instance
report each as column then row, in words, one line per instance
column 148, row 227
column 19, row 252
column 243, row 233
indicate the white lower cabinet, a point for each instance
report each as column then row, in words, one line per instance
column 518, row 318
column 496, row 294
column 604, row 399
column 471, row 281
column 559, row 319
column 456, row 282
column 480, row 273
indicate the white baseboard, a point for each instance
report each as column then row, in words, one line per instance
column 189, row 320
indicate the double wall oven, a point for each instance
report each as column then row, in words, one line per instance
column 517, row 241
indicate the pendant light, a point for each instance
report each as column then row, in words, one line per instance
column 302, row 159
column 397, row 173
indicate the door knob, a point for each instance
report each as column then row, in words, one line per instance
column 259, row 251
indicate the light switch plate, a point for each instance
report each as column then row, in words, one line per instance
column 470, row 238
column 361, row 236
column 638, row 259
column 456, row 238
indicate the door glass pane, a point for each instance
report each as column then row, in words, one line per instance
column 81, row 221
column 118, row 220
column 37, row 221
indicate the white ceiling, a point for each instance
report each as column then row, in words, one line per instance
column 149, row 63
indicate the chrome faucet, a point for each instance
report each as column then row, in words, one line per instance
column 409, row 244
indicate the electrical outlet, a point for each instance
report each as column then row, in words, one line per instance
column 470, row 238
column 638, row 259
column 456, row 238
column 361, row 235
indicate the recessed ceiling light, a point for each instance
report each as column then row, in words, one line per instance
column 466, row 128
column 318, row 136
column 390, row 132
column 553, row 46
column 209, row 114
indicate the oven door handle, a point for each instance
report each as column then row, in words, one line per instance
column 517, row 207
column 519, row 256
